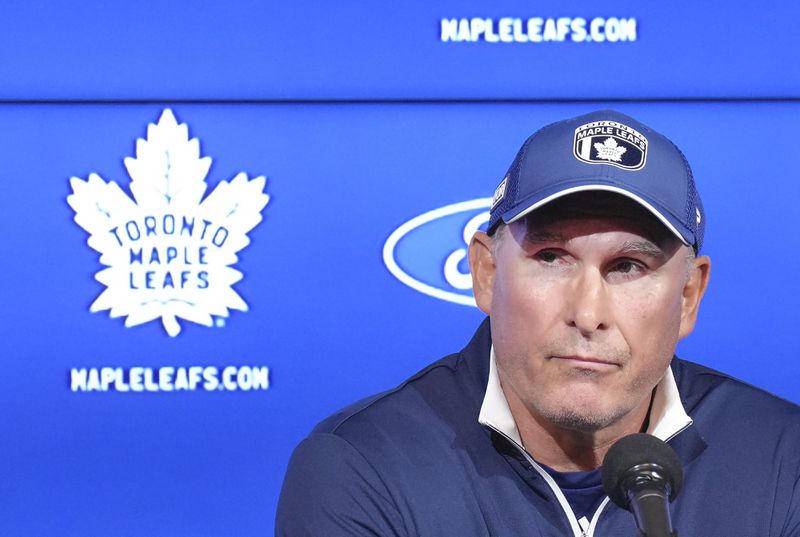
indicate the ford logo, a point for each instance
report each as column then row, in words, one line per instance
column 429, row 252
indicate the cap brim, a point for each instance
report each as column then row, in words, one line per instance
column 545, row 197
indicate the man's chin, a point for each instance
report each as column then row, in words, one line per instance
column 582, row 420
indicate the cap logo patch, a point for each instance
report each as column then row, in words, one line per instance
column 609, row 142
column 499, row 192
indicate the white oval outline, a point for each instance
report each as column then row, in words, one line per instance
column 417, row 221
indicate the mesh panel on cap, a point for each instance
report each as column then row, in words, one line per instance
column 693, row 203
column 512, row 187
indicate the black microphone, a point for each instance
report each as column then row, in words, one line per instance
column 643, row 474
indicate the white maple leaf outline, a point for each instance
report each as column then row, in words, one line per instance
column 167, row 177
column 610, row 150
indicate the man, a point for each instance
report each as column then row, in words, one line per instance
column 590, row 273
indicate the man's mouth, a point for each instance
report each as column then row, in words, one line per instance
column 587, row 362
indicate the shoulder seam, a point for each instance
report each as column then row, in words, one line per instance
column 703, row 370
column 397, row 388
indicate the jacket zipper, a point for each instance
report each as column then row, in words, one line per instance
column 577, row 531
column 562, row 500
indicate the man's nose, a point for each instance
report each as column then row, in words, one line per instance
column 587, row 304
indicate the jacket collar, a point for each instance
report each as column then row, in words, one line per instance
column 667, row 415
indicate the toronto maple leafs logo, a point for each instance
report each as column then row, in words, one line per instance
column 610, row 150
column 168, row 253
column 612, row 143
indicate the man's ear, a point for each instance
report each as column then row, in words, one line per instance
column 482, row 266
column 693, row 293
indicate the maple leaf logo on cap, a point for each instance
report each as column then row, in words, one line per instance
column 610, row 143
column 610, row 150
column 168, row 252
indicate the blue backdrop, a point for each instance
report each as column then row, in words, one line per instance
column 306, row 98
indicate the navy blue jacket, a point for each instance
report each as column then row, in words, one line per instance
column 415, row 462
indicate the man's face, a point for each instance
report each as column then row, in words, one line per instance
column 588, row 298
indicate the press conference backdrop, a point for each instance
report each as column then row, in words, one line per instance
column 287, row 233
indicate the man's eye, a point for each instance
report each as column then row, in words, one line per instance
column 548, row 256
column 627, row 267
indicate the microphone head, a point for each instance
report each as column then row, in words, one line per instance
column 639, row 455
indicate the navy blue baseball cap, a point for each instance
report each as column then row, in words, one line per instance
column 606, row 151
